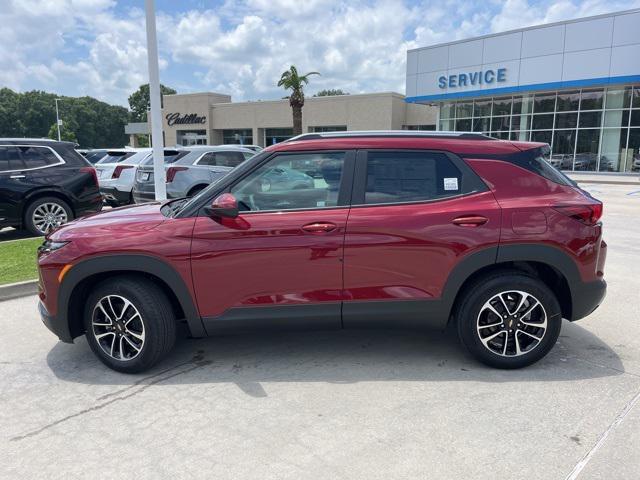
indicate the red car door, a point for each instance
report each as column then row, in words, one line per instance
column 415, row 215
column 280, row 260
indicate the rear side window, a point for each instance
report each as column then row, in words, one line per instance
column 34, row 157
column 536, row 160
column 396, row 177
column 222, row 159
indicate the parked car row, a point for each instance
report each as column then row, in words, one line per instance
column 46, row 183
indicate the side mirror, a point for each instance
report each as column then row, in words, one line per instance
column 225, row 205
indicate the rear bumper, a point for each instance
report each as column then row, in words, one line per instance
column 143, row 196
column 113, row 196
column 587, row 296
column 54, row 324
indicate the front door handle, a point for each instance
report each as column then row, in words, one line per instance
column 319, row 227
column 470, row 221
column 17, row 176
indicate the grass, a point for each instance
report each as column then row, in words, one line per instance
column 18, row 260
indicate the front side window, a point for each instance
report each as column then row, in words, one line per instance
column 288, row 182
column 395, row 177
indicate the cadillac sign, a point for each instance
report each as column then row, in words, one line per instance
column 186, row 119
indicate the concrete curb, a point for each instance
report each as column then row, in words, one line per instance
column 18, row 289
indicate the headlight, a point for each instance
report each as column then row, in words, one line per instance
column 49, row 246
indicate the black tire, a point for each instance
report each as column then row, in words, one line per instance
column 29, row 223
column 156, row 315
column 483, row 290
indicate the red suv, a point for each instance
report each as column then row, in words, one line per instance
column 392, row 229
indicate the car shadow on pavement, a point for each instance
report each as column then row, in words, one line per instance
column 342, row 356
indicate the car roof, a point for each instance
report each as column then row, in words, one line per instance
column 457, row 142
column 34, row 141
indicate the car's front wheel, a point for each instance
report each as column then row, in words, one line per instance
column 509, row 319
column 129, row 323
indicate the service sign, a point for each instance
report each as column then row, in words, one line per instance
column 468, row 79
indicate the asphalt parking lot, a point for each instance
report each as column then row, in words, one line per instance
column 354, row 404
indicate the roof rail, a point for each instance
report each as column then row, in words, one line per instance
column 391, row 133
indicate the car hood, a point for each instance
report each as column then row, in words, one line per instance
column 110, row 222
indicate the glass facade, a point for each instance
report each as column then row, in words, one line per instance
column 592, row 129
column 242, row 136
column 276, row 135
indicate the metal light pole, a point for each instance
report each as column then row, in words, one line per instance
column 58, row 122
column 154, row 96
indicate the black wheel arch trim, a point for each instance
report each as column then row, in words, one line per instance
column 545, row 254
column 134, row 263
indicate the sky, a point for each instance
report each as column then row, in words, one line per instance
column 240, row 47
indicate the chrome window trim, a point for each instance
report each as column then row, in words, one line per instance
column 61, row 161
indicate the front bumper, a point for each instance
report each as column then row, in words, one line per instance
column 59, row 328
column 587, row 296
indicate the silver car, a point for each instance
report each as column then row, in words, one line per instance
column 200, row 167
column 116, row 174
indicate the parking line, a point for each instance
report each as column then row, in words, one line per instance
column 589, row 455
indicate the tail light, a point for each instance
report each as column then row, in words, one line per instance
column 171, row 173
column 91, row 171
column 588, row 214
column 118, row 170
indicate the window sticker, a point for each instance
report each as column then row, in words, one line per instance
column 451, row 183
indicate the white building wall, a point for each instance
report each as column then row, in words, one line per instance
column 593, row 51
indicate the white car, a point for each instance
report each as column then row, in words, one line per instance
column 116, row 173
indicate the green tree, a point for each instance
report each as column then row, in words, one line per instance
column 330, row 92
column 139, row 101
column 92, row 122
column 66, row 132
column 290, row 80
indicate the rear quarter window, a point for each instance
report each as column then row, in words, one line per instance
column 536, row 160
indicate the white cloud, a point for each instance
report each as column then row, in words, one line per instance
column 93, row 47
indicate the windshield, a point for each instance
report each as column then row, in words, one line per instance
column 94, row 156
column 114, row 157
column 244, row 166
column 170, row 156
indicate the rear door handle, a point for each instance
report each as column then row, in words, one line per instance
column 470, row 221
column 319, row 227
column 17, row 176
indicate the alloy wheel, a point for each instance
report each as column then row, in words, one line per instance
column 512, row 323
column 118, row 327
column 48, row 216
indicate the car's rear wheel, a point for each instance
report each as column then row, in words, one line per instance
column 509, row 319
column 46, row 213
column 129, row 323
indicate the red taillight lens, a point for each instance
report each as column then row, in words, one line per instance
column 587, row 214
column 119, row 169
column 93, row 173
column 171, row 173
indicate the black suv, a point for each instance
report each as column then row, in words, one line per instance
column 44, row 183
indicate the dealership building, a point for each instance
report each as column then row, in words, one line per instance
column 574, row 85
column 212, row 118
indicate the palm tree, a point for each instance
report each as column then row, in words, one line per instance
column 290, row 80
